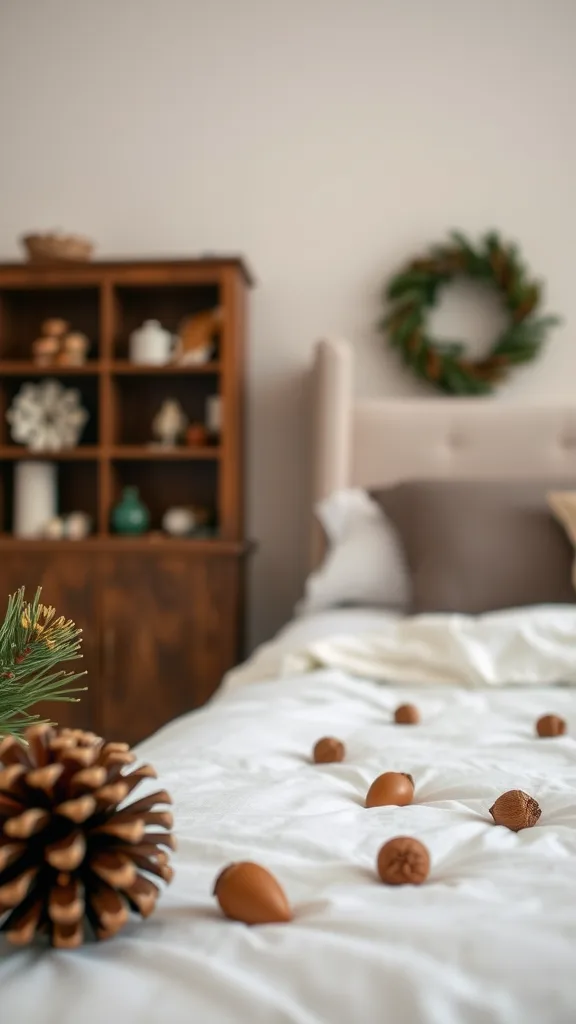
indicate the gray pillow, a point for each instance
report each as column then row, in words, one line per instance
column 474, row 547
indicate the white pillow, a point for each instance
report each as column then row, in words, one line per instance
column 364, row 564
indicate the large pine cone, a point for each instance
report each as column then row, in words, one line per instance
column 75, row 858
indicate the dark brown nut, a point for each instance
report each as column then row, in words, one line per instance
column 327, row 750
column 550, row 725
column 407, row 714
column 403, row 861
column 515, row 810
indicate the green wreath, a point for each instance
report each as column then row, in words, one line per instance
column 414, row 291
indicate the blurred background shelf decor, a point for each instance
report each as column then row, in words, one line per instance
column 139, row 504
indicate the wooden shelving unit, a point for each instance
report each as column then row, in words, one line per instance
column 107, row 301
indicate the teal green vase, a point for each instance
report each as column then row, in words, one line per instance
column 130, row 516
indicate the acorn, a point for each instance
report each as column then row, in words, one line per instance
column 403, row 861
column 328, row 750
column 407, row 714
column 515, row 810
column 391, row 789
column 248, row 892
column 551, row 725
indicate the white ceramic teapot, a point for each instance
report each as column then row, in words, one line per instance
column 151, row 344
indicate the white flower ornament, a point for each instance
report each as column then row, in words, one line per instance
column 47, row 416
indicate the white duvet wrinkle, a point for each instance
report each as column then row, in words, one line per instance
column 521, row 647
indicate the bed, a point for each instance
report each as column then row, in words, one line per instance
column 491, row 936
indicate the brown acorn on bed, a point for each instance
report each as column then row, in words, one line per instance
column 75, row 857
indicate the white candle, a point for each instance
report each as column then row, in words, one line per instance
column 35, row 497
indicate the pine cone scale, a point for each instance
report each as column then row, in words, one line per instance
column 88, row 779
column 110, row 908
column 145, row 804
column 143, row 895
column 9, row 853
column 13, row 752
column 111, row 795
column 127, row 831
column 161, row 839
column 153, row 867
column 78, row 809
column 39, row 737
column 23, row 930
column 45, row 778
column 11, row 780
column 8, row 805
column 67, row 936
column 67, row 853
column 115, row 868
column 26, row 824
column 66, row 903
column 14, row 891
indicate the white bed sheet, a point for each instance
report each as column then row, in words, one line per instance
column 490, row 938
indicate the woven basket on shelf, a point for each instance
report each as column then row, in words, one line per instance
column 53, row 247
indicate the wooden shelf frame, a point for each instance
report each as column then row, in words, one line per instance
column 111, row 372
column 120, row 367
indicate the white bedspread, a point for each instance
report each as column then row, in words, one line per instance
column 490, row 939
column 527, row 647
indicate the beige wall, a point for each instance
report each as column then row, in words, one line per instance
column 326, row 139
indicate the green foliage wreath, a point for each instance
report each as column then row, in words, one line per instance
column 414, row 291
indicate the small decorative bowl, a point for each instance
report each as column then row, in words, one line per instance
column 51, row 248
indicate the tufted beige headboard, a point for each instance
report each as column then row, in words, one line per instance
column 373, row 442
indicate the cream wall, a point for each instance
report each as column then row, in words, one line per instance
column 325, row 139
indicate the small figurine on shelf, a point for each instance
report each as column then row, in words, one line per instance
column 46, row 348
column 74, row 526
column 58, row 345
column 77, row 525
column 54, row 528
column 130, row 516
column 185, row 521
column 169, row 423
column 74, row 349
column 195, row 344
column 196, row 435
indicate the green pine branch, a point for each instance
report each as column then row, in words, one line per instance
column 32, row 644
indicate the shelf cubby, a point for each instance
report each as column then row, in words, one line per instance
column 86, row 385
column 164, row 484
column 170, row 304
column 137, row 399
column 23, row 310
column 77, row 489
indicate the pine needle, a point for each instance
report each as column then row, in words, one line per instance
column 32, row 643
